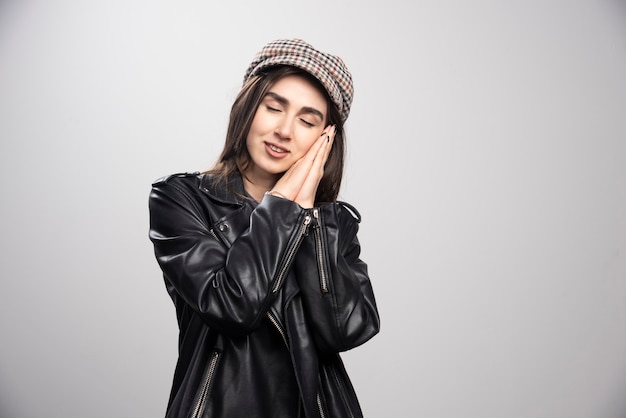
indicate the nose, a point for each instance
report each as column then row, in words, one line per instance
column 284, row 128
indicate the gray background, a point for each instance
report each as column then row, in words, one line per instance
column 487, row 156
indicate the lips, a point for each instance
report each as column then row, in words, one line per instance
column 275, row 150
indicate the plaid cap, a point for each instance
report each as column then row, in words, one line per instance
column 328, row 69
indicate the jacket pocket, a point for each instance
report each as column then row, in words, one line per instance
column 205, row 389
column 320, row 252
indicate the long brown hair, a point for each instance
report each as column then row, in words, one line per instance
column 235, row 157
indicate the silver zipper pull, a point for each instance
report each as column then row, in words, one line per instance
column 307, row 221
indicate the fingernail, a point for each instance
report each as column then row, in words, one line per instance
column 328, row 139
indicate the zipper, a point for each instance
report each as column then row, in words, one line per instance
column 319, row 406
column 291, row 253
column 341, row 391
column 214, row 234
column 319, row 249
column 197, row 411
column 282, row 333
column 280, row 330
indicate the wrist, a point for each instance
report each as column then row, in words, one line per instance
column 277, row 194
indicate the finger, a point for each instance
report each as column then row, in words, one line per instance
column 316, row 172
column 331, row 140
column 313, row 152
column 306, row 172
column 304, row 165
column 324, row 150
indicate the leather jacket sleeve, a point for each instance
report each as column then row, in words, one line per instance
column 334, row 281
column 230, row 285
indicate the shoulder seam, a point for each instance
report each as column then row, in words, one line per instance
column 165, row 179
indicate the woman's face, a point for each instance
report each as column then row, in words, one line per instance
column 291, row 116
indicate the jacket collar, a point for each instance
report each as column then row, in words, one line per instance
column 230, row 191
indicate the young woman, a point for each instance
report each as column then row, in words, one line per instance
column 261, row 260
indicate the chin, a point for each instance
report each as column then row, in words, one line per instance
column 276, row 171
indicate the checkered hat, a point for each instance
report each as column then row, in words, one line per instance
column 328, row 69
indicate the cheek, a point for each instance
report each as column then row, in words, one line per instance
column 262, row 123
column 256, row 124
column 307, row 141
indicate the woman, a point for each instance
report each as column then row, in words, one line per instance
column 260, row 259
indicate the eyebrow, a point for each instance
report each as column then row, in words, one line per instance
column 306, row 109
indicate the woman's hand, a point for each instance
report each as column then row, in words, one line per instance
column 300, row 182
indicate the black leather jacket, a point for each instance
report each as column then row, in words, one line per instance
column 266, row 297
